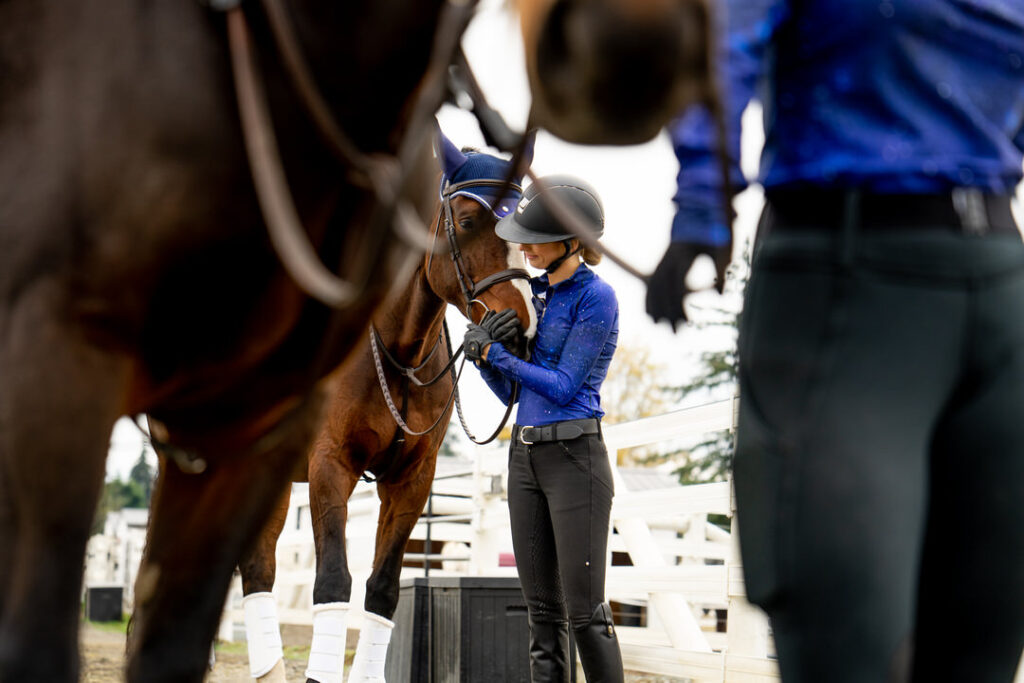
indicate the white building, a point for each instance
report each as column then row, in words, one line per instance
column 112, row 558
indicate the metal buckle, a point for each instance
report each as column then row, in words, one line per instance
column 522, row 439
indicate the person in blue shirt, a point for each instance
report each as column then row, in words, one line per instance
column 560, row 481
column 879, row 466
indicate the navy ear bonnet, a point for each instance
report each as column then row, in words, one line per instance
column 462, row 167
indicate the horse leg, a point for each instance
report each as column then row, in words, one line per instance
column 200, row 525
column 402, row 502
column 330, row 485
column 58, row 403
column 262, row 628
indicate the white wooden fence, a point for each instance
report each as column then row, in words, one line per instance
column 684, row 568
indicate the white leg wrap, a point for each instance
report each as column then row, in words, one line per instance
column 262, row 632
column 372, row 650
column 327, row 652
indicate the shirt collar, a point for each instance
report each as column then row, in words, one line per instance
column 582, row 274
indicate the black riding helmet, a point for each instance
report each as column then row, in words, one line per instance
column 533, row 222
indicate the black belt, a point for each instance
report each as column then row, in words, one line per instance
column 557, row 431
column 964, row 210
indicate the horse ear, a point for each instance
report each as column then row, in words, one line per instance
column 527, row 157
column 448, row 155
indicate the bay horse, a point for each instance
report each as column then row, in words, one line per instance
column 136, row 276
column 360, row 434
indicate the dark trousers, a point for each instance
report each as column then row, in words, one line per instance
column 559, row 501
column 879, row 470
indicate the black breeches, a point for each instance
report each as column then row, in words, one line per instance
column 559, row 499
column 879, row 469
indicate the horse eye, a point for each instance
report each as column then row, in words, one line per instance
column 466, row 224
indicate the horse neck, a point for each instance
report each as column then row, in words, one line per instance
column 413, row 325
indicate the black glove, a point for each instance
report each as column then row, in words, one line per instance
column 493, row 327
column 666, row 288
column 476, row 340
column 503, row 327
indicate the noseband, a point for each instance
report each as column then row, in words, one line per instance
column 471, row 289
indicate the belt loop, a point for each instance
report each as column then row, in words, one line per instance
column 969, row 204
column 850, row 226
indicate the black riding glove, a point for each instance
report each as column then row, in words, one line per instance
column 493, row 327
column 503, row 327
column 666, row 288
column 476, row 340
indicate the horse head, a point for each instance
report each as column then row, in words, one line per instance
column 482, row 271
column 614, row 71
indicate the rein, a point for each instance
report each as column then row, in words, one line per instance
column 408, row 374
column 387, row 176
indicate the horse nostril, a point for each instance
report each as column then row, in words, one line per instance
column 633, row 63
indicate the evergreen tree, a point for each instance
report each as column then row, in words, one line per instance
column 711, row 459
column 118, row 494
column 143, row 474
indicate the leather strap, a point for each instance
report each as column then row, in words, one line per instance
column 566, row 430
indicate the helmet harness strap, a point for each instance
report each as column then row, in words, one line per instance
column 569, row 251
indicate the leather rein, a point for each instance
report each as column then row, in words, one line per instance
column 387, row 176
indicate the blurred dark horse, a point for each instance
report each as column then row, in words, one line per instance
column 136, row 276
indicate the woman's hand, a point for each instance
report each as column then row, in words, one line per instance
column 476, row 342
column 503, row 327
column 494, row 327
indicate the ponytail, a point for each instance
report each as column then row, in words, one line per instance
column 591, row 256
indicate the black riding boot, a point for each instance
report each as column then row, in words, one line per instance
column 599, row 648
column 549, row 652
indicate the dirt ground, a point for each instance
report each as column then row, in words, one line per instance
column 103, row 659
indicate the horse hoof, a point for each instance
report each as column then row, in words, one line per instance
column 275, row 675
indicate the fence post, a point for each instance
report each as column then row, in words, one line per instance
column 487, row 507
column 747, row 626
column 674, row 612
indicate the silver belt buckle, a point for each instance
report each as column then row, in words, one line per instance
column 522, row 439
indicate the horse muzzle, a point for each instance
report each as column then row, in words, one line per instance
column 616, row 71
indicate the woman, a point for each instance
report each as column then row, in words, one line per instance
column 560, row 482
column 879, row 467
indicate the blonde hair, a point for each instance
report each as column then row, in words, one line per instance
column 591, row 256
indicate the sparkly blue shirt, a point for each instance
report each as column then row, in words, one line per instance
column 890, row 96
column 577, row 329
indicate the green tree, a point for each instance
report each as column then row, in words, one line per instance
column 633, row 390
column 711, row 458
column 118, row 494
column 143, row 474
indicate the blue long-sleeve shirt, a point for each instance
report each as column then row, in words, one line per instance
column 893, row 96
column 577, row 330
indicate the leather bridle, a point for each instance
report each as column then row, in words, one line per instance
column 471, row 290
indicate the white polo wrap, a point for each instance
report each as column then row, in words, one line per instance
column 372, row 650
column 262, row 632
column 327, row 652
